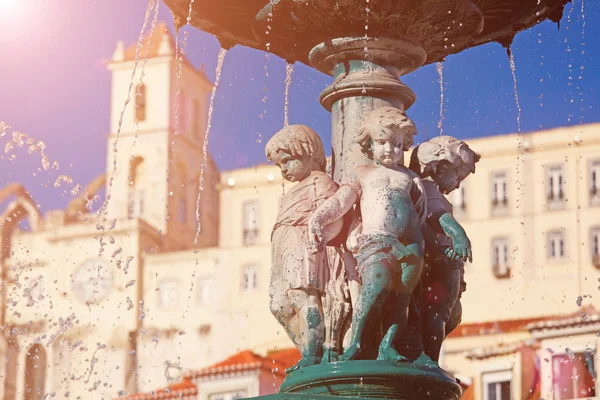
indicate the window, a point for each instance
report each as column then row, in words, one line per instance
column 251, row 222
column 205, row 290
column 249, row 278
column 556, row 245
column 497, row 385
column 595, row 182
column 35, row 289
column 555, row 184
column 140, row 102
column 499, row 190
column 11, row 359
column 182, row 211
column 458, row 199
column 196, row 123
column 238, row 394
column 137, row 181
column 135, row 203
column 35, row 373
column 500, row 265
column 595, row 246
column 573, row 376
column 167, row 294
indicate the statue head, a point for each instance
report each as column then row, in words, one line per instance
column 297, row 150
column 447, row 160
column 386, row 134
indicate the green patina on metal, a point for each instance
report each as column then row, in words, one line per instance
column 370, row 379
column 314, row 318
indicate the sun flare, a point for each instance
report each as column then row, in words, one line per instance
column 8, row 6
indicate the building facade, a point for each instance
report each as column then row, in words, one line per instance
column 126, row 300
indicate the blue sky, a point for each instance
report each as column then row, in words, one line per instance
column 54, row 87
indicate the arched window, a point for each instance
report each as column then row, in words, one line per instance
column 10, row 370
column 140, row 102
column 137, row 194
column 35, row 373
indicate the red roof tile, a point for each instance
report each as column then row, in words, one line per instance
column 275, row 362
column 151, row 44
column 186, row 389
column 495, row 327
column 500, row 349
column 586, row 315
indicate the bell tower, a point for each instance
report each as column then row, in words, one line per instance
column 154, row 155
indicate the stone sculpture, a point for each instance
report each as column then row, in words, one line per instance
column 442, row 163
column 392, row 205
column 299, row 279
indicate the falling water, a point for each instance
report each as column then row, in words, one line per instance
column 220, row 59
column 180, row 54
column 513, row 70
column 102, row 212
column 21, row 139
column 366, row 48
column 289, row 70
column 143, row 72
column 440, row 70
column 583, row 26
column 367, row 13
column 518, row 177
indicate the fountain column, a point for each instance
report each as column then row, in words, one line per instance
column 367, row 72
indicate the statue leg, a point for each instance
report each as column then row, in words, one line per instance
column 456, row 314
column 311, row 326
column 408, row 274
column 283, row 310
column 439, row 296
column 376, row 286
column 455, row 318
column 396, row 321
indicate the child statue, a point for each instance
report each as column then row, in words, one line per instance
column 443, row 163
column 392, row 204
column 299, row 279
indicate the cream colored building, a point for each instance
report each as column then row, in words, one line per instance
column 124, row 299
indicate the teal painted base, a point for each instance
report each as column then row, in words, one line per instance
column 370, row 379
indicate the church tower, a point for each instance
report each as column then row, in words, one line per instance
column 156, row 143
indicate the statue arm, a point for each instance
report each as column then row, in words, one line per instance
column 461, row 243
column 329, row 211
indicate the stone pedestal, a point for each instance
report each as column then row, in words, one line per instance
column 367, row 72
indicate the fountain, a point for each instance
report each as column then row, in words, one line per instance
column 366, row 45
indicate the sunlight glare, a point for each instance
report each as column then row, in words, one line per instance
column 8, row 7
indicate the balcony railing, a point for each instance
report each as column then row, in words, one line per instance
column 501, row 271
column 596, row 260
column 250, row 236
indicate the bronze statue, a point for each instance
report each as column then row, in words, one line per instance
column 392, row 204
column 443, row 163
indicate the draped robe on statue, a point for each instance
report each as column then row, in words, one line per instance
column 292, row 266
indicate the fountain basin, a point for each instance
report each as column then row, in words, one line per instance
column 291, row 28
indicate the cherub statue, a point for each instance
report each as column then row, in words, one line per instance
column 299, row 278
column 443, row 163
column 392, row 204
